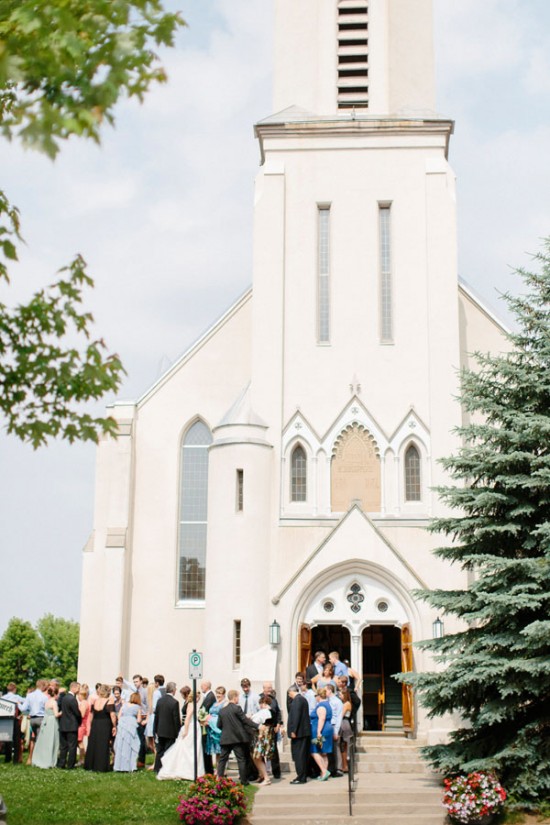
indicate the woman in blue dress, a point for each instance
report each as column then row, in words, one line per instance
column 127, row 742
column 321, row 733
column 213, row 733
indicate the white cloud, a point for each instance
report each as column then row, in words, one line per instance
column 537, row 78
column 478, row 37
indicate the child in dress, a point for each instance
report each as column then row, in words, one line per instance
column 265, row 741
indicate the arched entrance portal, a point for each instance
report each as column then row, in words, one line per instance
column 366, row 621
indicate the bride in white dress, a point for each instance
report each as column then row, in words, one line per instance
column 178, row 761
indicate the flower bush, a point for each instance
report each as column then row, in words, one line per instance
column 472, row 797
column 213, row 800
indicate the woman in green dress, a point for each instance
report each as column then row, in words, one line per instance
column 47, row 743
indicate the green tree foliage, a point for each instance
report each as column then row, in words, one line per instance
column 60, row 639
column 64, row 65
column 22, row 658
column 496, row 672
column 49, row 651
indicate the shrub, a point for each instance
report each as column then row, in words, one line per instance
column 212, row 800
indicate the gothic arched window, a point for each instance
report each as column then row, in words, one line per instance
column 412, row 474
column 298, row 474
column 193, row 512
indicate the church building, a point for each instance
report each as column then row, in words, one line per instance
column 269, row 496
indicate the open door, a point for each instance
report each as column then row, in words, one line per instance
column 406, row 667
column 304, row 647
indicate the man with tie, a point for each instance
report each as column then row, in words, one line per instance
column 249, row 702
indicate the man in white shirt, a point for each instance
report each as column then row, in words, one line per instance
column 310, row 696
column 249, row 702
column 126, row 688
column 335, row 758
column 159, row 690
column 34, row 706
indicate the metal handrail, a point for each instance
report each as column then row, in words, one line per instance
column 352, row 770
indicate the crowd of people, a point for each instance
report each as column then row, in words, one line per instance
column 114, row 726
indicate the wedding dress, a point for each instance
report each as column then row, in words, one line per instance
column 178, row 761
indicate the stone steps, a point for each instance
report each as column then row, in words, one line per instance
column 393, row 787
column 359, row 808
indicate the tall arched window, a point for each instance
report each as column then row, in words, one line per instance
column 298, row 474
column 412, row 474
column 193, row 512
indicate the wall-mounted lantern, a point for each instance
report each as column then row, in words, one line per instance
column 274, row 633
column 438, row 629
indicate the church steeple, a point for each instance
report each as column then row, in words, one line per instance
column 371, row 56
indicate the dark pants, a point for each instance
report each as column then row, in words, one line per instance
column 300, row 756
column 142, row 746
column 333, row 758
column 276, row 762
column 208, row 764
column 162, row 746
column 242, row 755
column 68, row 743
column 12, row 750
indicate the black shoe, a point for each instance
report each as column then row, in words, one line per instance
column 298, row 782
column 276, row 776
column 337, row 774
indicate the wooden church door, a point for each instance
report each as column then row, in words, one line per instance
column 304, row 647
column 406, row 667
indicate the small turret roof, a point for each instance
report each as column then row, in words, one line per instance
column 241, row 412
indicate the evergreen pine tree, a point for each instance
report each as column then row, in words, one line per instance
column 495, row 674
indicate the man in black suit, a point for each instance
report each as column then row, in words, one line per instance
column 69, row 722
column 297, row 686
column 316, row 668
column 208, row 699
column 299, row 730
column 236, row 731
column 166, row 726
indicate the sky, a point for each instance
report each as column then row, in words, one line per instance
column 162, row 213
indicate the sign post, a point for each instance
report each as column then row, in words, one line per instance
column 195, row 672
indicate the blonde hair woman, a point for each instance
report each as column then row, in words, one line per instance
column 84, row 706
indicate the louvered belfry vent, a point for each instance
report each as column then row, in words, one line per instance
column 353, row 54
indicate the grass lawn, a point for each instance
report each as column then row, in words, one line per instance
column 52, row 797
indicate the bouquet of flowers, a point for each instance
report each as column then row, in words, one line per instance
column 212, row 800
column 319, row 741
column 475, row 796
column 202, row 716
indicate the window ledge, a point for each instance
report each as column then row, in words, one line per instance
column 190, row 604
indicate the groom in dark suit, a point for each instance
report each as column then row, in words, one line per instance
column 69, row 722
column 237, row 730
column 167, row 723
column 299, row 730
column 316, row 668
